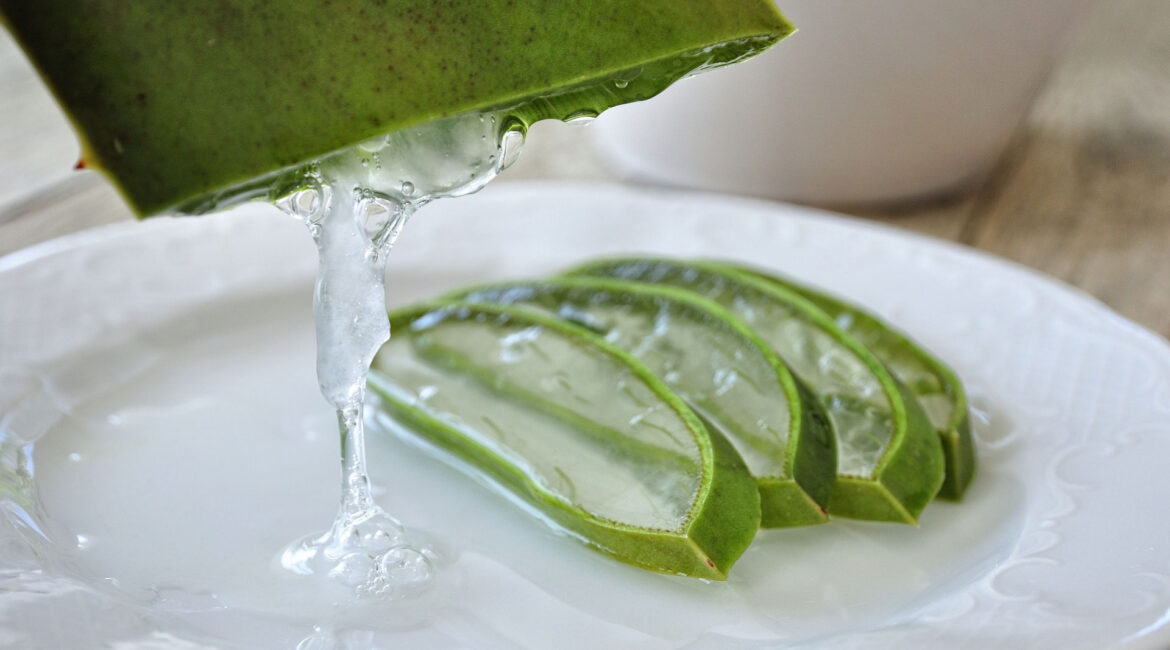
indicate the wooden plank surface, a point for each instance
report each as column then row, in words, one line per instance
column 1085, row 195
column 1083, row 192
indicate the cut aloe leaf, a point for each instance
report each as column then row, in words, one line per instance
column 725, row 372
column 889, row 461
column 177, row 101
column 935, row 385
column 574, row 426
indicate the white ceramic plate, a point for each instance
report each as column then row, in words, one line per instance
column 1062, row 541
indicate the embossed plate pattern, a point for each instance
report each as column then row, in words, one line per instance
column 1061, row 543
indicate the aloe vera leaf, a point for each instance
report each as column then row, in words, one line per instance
column 890, row 462
column 729, row 376
column 179, row 101
column 932, row 382
column 482, row 383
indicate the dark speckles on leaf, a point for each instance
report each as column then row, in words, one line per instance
column 141, row 99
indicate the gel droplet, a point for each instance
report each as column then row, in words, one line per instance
column 379, row 533
column 581, row 118
column 511, row 144
column 353, row 569
column 405, row 568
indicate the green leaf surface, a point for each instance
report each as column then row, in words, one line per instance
column 180, row 100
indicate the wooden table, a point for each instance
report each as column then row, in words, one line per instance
column 1083, row 192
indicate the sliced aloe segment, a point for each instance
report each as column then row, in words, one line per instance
column 178, row 101
column 576, row 428
column 728, row 375
column 935, row 385
column 889, row 461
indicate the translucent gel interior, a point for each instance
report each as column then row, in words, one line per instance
column 575, row 418
column 912, row 370
column 856, row 403
column 717, row 370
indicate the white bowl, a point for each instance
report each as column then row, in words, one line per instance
column 870, row 102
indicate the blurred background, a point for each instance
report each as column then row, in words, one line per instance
column 1038, row 131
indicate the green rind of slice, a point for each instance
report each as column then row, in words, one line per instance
column 908, row 472
column 798, row 494
column 723, row 515
column 177, row 102
column 927, row 377
column 815, row 478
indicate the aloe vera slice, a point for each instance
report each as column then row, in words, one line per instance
column 576, row 428
column 889, row 461
column 179, row 101
column 935, row 385
column 724, row 371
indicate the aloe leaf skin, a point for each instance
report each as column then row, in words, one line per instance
column 182, row 102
